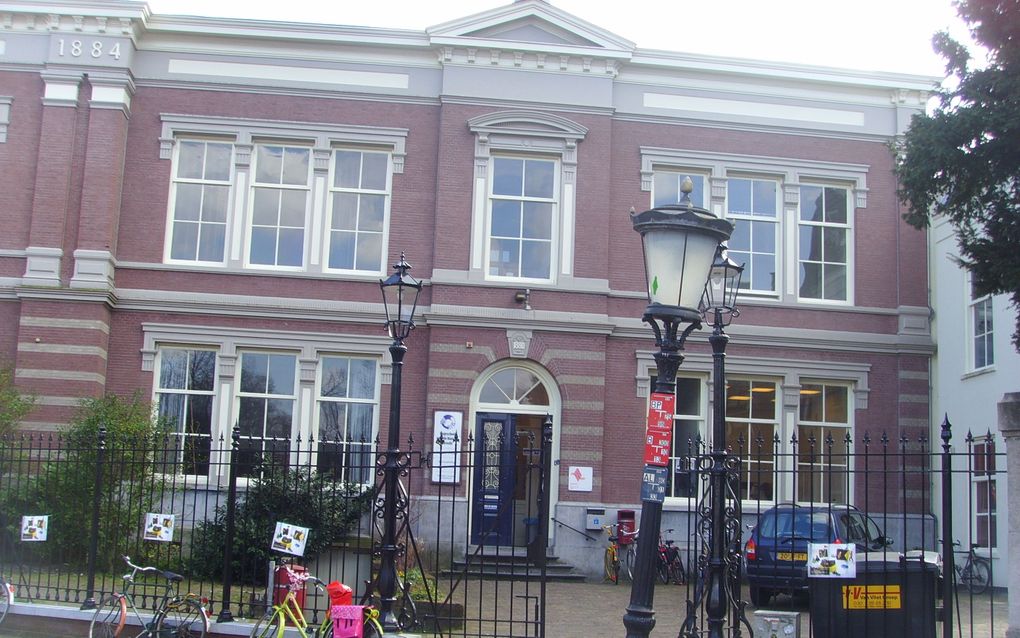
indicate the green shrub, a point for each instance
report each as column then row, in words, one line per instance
column 298, row 496
column 14, row 406
column 63, row 484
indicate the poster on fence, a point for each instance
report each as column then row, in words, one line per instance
column 446, row 446
column 290, row 539
column 348, row 621
column 34, row 528
column 829, row 560
column 158, row 527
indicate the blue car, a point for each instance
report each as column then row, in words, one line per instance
column 775, row 555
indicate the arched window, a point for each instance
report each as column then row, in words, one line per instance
column 515, row 387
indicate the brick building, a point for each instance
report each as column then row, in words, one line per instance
column 201, row 209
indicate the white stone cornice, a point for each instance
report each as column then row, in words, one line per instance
column 507, row 57
column 108, row 17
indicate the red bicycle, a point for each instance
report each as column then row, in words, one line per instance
column 669, row 567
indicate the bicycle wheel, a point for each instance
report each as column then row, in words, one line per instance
column 183, row 619
column 977, row 576
column 271, row 624
column 6, row 598
column 676, row 570
column 612, row 565
column 629, row 554
column 372, row 627
column 325, row 629
column 108, row 621
column 662, row 569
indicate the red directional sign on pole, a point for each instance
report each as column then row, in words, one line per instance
column 659, row 430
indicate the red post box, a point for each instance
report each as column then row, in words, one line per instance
column 289, row 578
column 627, row 525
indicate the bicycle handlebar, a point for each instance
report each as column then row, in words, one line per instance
column 136, row 569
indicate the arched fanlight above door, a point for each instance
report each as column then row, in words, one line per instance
column 514, row 386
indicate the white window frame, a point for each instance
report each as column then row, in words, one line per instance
column 750, row 218
column 821, row 447
column 333, row 189
column 158, row 390
column 345, row 442
column 974, row 337
column 681, row 454
column 769, row 443
column 256, row 186
column 553, row 202
column 525, row 134
column 791, row 173
column 5, row 116
column 847, row 228
column 176, row 181
column 984, row 479
column 294, row 397
column 244, row 134
column 679, row 173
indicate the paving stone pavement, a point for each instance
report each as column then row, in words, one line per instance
column 595, row 610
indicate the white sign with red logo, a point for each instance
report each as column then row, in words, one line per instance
column 659, row 430
column 579, row 479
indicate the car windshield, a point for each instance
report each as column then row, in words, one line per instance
column 796, row 525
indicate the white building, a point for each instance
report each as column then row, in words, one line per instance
column 976, row 364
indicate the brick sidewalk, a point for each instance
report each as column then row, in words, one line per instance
column 586, row 610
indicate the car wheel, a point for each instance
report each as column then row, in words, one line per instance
column 759, row 596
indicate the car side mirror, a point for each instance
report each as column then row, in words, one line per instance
column 883, row 541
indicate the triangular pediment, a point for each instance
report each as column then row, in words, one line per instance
column 533, row 30
column 534, row 25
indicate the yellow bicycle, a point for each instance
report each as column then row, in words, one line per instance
column 611, row 558
column 273, row 622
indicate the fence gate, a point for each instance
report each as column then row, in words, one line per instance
column 475, row 536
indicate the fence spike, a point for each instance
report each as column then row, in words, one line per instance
column 947, row 431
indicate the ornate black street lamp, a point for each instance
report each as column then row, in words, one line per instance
column 719, row 307
column 679, row 242
column 400, row 297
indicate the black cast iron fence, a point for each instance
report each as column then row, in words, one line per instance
column 930, row 502
column 93, row 504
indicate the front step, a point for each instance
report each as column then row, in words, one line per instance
column 510, row 563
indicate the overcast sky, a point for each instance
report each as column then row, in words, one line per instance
column 871, row 35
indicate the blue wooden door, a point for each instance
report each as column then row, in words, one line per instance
column 494, row 475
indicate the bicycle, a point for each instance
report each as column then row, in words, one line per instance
column 976, row 572
column 611, row 559
column 669, row 567
column 276, row 618
column 404, row 608
column 176, row 616
column 6, row 597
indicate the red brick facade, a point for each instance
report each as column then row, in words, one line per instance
column 81, row 173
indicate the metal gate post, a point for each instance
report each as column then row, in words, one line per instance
column 228, row 538
column 542, row 549
column 948, row 571
column 90, row 593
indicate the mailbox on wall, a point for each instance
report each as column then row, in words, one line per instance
column 595, row 518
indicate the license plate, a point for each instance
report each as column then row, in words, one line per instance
column 792, row 556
